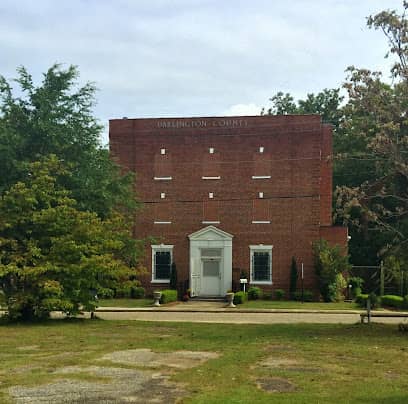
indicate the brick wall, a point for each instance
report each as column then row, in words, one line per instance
column 296, row 198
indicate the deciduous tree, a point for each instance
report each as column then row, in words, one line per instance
column 54, row 256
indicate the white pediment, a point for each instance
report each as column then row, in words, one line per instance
column 210, row 233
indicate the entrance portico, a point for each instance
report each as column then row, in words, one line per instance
column 210, row 262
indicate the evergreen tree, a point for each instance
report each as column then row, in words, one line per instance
column 293, row 278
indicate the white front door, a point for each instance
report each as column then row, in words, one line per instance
column 210, row 277
column 210, row 262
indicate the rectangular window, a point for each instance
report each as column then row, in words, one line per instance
column 261, row 264
column 162, row 257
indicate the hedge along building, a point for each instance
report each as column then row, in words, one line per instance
column 224, row 196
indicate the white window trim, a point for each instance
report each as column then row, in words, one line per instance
column 263, row 248
column 211, row 178
column 162, row 151
column 162, row 178
column 210, row 222
column 261, row 177
column 161, row 247
column 161, row 222
column 261, row 222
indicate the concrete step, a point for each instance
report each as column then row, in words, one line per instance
column 207, row 299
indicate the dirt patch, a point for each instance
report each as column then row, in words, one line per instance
column 274, row 362
column 390, row 375
column 275, row 385
column 116, row 384
column 148, row 358
column 28, row 348
column 286, row 364
column 303, row 370
column 278, row 348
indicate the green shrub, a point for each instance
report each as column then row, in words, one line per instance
column 267, row 295
column 374, row 299
column 307, row 295
column 293, row 277
column 355, row 292
column 240, row 297
column 104, row 293
column 329, row 262
column 392, row 301
column 356, row 284
column 405, row 303
column 173, row 276
column 168, row 295
column 336, row 289
column 124, row 289
column 361, row 299
column 254, row 293
column 138, row 292
column 279, row 294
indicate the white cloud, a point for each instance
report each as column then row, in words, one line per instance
column 153, row 58
column 242, row 110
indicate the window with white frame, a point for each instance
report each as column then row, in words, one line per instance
column 162, row 258
column 261, row 264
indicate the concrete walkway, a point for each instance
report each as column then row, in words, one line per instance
column 214, row 312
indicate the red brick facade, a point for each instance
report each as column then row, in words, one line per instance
column 285, row 158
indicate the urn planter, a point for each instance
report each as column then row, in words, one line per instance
column 230, row 299
column 157, row 296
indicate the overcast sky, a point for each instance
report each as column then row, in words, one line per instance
column 165, row 58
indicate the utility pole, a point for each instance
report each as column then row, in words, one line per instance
column 381, row 278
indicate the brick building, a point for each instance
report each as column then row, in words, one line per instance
column 224, row 196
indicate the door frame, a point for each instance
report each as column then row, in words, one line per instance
column 210, row 237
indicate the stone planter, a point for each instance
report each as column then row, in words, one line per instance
column 230, row 299
column 157, row 296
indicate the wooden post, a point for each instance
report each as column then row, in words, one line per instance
column 368, row 310
column 381, row 278
column 302, row 284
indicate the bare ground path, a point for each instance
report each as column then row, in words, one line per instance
column 216, row 312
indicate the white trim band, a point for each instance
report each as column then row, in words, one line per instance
column 211, row 178
column 162, row 178
column 261, row 177
column 161, row 222
column 210, row 222
column 261, row 222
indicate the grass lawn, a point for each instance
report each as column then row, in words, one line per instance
column 287, row 304
column 325, row 363
column 125, row 302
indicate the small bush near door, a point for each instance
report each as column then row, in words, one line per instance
column 137, row 292
column 307, row 295
column 254, row 293
column 279, row 294
column 168, row 296
column 240, row 297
